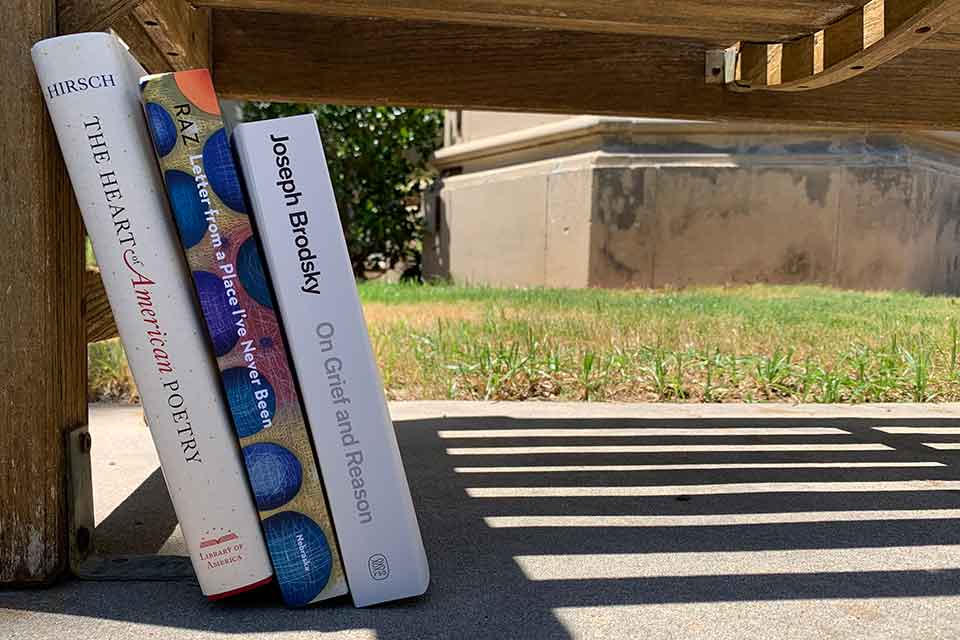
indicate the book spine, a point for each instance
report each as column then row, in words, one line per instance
column 217, row 236
column 296, row 213
column 89, row 82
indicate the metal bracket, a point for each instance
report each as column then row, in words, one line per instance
column 84, row 562
column 80, row 519
column 721, row 65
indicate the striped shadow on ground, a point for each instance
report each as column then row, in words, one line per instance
column 659, row 505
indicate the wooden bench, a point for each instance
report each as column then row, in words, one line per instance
column 882, row 63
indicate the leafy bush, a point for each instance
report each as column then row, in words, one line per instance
column 378, row 164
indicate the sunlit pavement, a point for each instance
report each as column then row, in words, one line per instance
column 587, row 521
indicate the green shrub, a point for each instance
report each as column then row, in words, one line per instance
column 108, row 375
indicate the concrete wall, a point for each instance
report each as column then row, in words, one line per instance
column 466, row 126
column 613, row 202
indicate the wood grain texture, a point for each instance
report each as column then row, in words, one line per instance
column 760, row 64
column 91, row 15
column 97, row 315
column 42, row 345
column 947, row 39
column 133, row 33
column 857, row 43
column 179, row 32
column 712, row 21
column 802, row 58
column 844, row 38
column 324, row 59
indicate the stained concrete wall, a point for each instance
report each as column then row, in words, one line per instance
column 614, row 202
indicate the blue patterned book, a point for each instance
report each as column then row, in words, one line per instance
column 235, row 297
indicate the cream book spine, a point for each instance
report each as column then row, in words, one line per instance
column 90, row 84
column 293, row 204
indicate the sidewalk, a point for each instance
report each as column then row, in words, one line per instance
column 590, row 521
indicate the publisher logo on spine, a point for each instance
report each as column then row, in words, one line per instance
column 219, row 548
column 379, row 568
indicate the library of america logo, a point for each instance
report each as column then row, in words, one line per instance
column 213, row 541
column 220, row 547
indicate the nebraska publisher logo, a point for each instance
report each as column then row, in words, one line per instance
column 379, row 568
column 220, row 547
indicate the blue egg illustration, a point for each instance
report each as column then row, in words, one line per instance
column 216, row 311
column 240, row 390
column 301, row 556
column 161, row 128
column 274, row 472
column 188, row 210
column 250, row 271
column 222, row 172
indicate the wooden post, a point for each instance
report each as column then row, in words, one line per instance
column 42, row 335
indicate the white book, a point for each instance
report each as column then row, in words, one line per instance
column 90, row 83
column 299, row 227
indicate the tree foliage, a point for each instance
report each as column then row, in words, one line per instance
column 377, row 158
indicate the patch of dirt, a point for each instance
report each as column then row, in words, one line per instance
column 424, row 314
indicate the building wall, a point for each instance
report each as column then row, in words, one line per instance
column 466, row 126
column 613, row 202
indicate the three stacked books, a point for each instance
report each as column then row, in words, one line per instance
column 236, row 304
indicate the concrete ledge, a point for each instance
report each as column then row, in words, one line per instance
column 740, row 143
column 589, row 126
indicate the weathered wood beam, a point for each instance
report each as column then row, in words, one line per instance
column 141, row 45
column 97, row 315
column 379, row 61
column 709, row 20
column 180, row 31
column 91, row 15
column 876, row 33
column 167, row 35
column 42, row 346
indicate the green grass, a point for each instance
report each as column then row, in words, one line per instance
column 745, row 344
column 108, row 377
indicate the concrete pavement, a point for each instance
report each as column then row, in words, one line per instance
column 590, row 521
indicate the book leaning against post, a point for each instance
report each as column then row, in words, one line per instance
column 220, row 243
column 89, row 82
column 296, row 213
